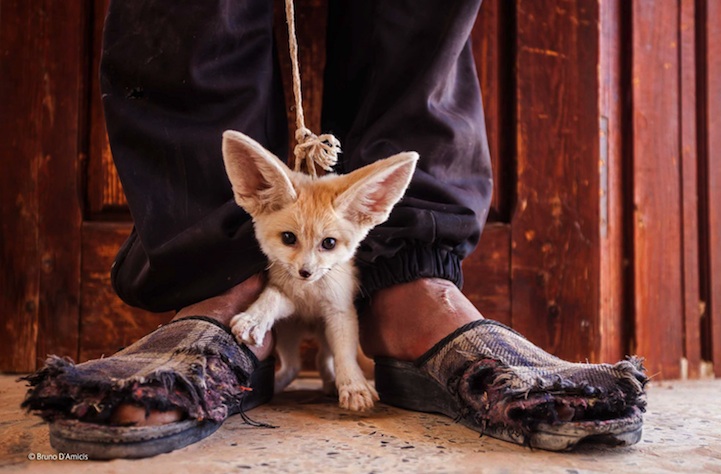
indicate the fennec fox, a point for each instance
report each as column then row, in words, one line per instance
column 309, row 229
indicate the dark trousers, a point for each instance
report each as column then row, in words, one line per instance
column 400, row 76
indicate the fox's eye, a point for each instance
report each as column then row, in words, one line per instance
column 328, row 243
column 288, row 238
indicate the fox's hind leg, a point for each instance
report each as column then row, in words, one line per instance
column 289, row 334
column 324, row 363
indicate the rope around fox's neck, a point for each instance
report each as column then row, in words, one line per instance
column 311, row 149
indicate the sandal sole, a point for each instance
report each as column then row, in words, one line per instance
column 403, row 385
column 111, row 442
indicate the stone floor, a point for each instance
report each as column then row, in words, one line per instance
column 682, row 434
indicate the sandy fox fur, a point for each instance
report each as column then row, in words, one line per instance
column 309, row 229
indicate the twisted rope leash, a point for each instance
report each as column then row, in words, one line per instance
column 311, row 149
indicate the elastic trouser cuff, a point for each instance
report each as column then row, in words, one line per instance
column 410, row 264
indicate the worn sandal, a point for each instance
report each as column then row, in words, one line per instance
column 496, row 382
column 192, row 364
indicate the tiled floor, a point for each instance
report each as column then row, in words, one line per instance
column 682, row 434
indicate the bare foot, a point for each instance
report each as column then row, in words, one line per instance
column 221, row 308
column 406, row 320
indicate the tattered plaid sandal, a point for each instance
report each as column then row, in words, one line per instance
column 193, row 364
column 496, row 382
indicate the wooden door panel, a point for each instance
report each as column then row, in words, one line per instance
column 555, row 238
column 689, row 189
column 613, row 326
column 656, row 196
column 42, row 67
column 105, row 199
column 107, row 324
column 711, row 48
column 19, row 254
column 486, row 273
column 492, row 40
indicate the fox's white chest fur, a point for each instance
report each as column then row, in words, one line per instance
column 336, row 289
column 309, row 229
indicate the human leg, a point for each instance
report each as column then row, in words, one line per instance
column 173, row 79
column 410, row 85
column 170, row 89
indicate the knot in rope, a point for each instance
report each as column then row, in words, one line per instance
column 311, row 149
column 322, row 150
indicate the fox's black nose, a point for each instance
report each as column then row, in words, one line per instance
column 304, row 273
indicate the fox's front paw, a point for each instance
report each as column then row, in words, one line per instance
column 357, row 395
column 250, row 328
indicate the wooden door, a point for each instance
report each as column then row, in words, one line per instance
column 603, row 238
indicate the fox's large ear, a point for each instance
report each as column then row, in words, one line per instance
column 260, row 180
column 374, row 189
